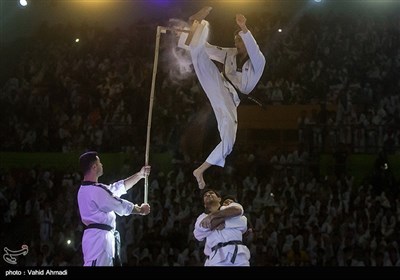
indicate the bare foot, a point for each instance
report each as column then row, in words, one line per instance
column 199, row 177
column 200, row 15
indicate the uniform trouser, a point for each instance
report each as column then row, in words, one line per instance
column 105, row 259
column 220, row 97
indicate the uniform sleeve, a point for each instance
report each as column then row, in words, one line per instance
column 199, row 232
column 234, row 204
column 117, row 188
column 107, row 202
column 256, row 56
column 238, row 222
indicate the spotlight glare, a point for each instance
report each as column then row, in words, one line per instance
column 23, row 3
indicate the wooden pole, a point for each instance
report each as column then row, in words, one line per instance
column 160, row 29
column 149, row 119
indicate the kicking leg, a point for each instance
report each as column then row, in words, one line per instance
column 198, row 173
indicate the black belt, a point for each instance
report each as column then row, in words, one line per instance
column 223, row 244
column 100, row 226
column 243, row 96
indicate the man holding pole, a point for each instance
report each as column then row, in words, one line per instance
column 98, row 204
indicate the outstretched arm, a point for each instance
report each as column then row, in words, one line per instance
column 132, row 180
column 256, row 56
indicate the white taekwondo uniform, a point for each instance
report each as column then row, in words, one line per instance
column 98, row 204
column 224, row 247
column 222, row 94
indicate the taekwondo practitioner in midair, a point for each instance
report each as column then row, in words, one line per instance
column 243, row 67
